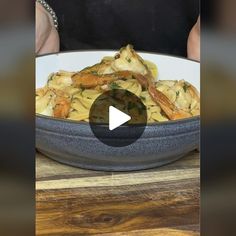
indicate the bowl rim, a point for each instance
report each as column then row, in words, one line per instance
column 170, row 122
column 166, row 123
column 114, row 50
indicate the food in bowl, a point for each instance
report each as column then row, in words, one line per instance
column 70, row 95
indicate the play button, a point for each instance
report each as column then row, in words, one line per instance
column 118, row 118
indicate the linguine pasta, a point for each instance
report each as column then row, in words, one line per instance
column 70, row 95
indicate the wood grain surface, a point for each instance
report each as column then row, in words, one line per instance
column 160, row 201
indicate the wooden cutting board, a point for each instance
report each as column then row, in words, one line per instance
column 160, row 201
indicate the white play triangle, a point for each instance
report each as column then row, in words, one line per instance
column 117, row 118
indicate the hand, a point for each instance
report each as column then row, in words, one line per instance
column 47, row 38
column 193, row 45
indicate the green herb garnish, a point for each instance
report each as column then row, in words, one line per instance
column 177, row 93
column 143, row 98
column 82, row 87
column 185, row 87
column 114, row 85
column 128, row 59
column 94, row 72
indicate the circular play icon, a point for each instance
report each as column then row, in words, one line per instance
column 118, row 118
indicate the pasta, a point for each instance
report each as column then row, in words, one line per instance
column 70, row 95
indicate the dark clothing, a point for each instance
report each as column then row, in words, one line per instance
column 152, row 25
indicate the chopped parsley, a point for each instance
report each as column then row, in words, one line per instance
column 177, row 93
column 143, row 98
column 94, row 72
column 128, row 59
column 114, row 85
column 82, row 87
column 185, row 87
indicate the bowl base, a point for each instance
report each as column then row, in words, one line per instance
column 109, row 167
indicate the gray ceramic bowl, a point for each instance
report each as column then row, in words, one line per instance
column 74, row 143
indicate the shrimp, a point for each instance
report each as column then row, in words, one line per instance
column 50, row 101
column 62, row 104
column 62, row 107
column 128, row 64
column 178, row 99
column 89, row 80
column 170, row 109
